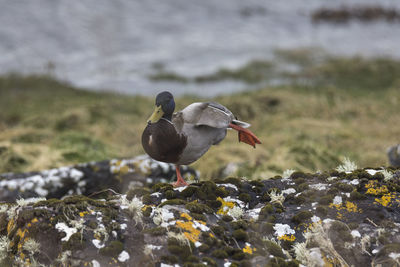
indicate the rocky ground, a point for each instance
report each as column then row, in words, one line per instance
column 110, row 214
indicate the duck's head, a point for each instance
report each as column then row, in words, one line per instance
column 165, row 106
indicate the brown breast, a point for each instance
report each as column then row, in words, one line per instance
column 162, row 142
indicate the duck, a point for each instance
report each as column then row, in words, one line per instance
column 185, row 136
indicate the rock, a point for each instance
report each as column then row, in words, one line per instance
column 359, row 13
column 88, row 179
column 337, row 218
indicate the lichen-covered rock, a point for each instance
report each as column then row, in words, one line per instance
column 87, row 179
column 325, row 219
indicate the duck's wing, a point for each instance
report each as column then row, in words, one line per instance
column 204, row 113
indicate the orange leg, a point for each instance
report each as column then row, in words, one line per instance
column 179, row 181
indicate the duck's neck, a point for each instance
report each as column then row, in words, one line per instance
column 168, row 117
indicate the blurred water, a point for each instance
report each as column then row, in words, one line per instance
column 112, row 45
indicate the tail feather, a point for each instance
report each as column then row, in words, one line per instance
column 245, row 135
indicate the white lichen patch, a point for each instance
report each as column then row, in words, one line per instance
column 31, row 246
column 354, row 182
column 287, row 173
column 283, row 229
column 117, row 166
column 355, row 234
column 25, row 202
column 388, row 175
column 180, row 189
column 134, row 207
column 4, row 247
column 289, row 191
column 168, row 265
column 145, row 164
column 123, row 256
column 3, row 208
column 69, row 231
column 253, row 213
column 98, row 243
column 153, row 247
column 200, row 226
column 337, row 200
column 347, row 166
column 95, row 263
column 162, row 216
column 156, row 194
column 228, row 185
column 319, row 186
column 276, row 198
column 101, row 231
column 235, row 212
column 330, row 179
column 39, row 183
column 315, row 219
column 372, row 171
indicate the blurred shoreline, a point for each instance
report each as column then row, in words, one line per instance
column 99, row 45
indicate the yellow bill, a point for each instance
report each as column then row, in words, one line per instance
column 156, row 116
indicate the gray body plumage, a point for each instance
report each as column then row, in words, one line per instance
column 394, row 155
column 204, row 124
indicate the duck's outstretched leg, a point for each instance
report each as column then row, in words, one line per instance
column 179, row 181
column 245, row 135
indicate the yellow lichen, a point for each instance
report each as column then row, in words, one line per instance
column 21, row 233
column 287, row 238
column 147, row 206
column 10, row 226
column 83, row 213
column 345, row 207
column 309, row 226
column 124, row 170
column 225, row 207
column 187, row 216
column 387, row 199
column 373, row 189
column 248, row 249
column 191, row 233
column 119, row 167
column 351, row 207
column 188, row 227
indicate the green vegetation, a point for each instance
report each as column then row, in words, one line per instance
column 329, row 109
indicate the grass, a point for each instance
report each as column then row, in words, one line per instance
column 331, row 109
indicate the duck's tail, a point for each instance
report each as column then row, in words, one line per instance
column 245, row 136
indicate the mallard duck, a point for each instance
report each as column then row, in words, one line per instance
column 183, row 137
